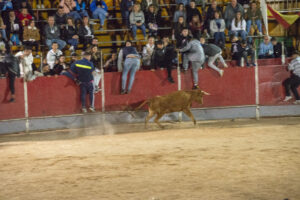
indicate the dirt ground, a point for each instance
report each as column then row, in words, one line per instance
column 217, row 160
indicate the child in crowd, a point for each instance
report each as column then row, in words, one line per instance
column 247, row 51
column 60, row 66
column 53, row 55
column 236, row 49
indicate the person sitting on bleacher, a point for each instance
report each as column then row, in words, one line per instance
column 230, row 12
column 86, row 32
column 254, row 19
column 52, row 33
column 2, row 28
column 184, row 2
column 195, row 26
column 53, row 55
column 277, row 47
column 24, row 17
column 99, row 10
column 238, row 26
column 13, row 28
column 31, row 35
column 137, row 20
column 60, row 18
column 177, row 28
column 71, row 34
column 6, row 5
column 148, row 51
column 153, row 18
column 24, row 4
column 126, row 7
column 246, row 51
column 266, row 49
column 60, row 66
column 81, row 8
column 191, row 11
column 210, row 14
column 180, row 11
column 146, row 3
column 236, row 49
column 70, row 9
column 217, row 28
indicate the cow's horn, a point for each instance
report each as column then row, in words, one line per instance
column 205, row 93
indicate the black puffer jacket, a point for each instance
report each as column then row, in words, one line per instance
column 12, row 64
column 70, row 31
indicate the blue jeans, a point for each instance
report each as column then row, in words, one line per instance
column 258, row 23
column 75, row 15
column 61, row 43
column 132, row 65
column 219, row 36
column 241, row 33
column 73, row 42
column 100, row 14
column 135, row 27
column 15, row 39
column 87, row 87
column 3, row 34
column 196, row 65
column 83, row 13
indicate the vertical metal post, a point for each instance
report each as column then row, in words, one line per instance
column 256, row 88
column 283, row 53
column 102, row 84
column 25, row 101
column 179, row 83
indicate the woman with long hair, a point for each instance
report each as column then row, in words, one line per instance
column 238, row 26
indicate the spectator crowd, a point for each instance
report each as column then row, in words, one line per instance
column 193, row 27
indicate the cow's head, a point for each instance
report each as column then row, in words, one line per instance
column 198, row 96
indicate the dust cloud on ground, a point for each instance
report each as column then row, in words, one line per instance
column 216, row 160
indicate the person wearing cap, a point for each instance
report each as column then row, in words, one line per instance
column 195, row 54
column 293, row 82
column 84, row 69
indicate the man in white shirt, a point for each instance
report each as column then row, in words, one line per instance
column 26, row 60
column 53, row 55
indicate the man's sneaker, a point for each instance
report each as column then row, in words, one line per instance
column 225, row 65
column 287, row 98
column 92, row 109
column 11, row 100
column 195, row 87
column 42, row 6
column 253, row 64
column 123, row 91
column 84, row 110
column 248, row 65
column 71, row 48
column 297, row 102
column 170, row 79
column 221, row 72
column 97, row 89
column 128, row 92
column 38, row 6
column 184, row 71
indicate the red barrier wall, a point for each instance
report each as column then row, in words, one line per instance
column 49, row 96
column 11, row 110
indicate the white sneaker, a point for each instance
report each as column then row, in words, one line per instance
column 38, row 6
column 92, row 109
column 287, row 98
column 84, row 110
column 225, row 65
column 42, row 6
column 221, row 72
column 296, row 102
column 71, row 48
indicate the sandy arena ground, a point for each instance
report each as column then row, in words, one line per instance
column 220, row 160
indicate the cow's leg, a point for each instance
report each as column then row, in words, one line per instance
column 159, row 115
column 190, row 114
column 149, row 116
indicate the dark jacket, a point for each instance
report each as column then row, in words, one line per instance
column 182, row 41
column 277, row 50
column 190, row 12
column 83, row 69
column 126, row 4
column 70, row 31
column 12, row 64
column 82, row 32
column 211, row 49
column 129, row 50
column 49, row 35
column 170, row 54
column 154, row 18
column 158, row 58
column 60, row 20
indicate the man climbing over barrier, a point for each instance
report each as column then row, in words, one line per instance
column 294, row 81
column 84, row 69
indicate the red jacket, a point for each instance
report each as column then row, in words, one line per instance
column 24, row 19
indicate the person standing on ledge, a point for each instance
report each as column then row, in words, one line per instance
column 84, row 70
column 294, row 81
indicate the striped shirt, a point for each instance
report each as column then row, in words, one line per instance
column 294, row 66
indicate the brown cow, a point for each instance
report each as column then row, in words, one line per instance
column 173, row 102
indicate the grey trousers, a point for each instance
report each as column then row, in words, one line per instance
column 196, row 65
column 212, row 59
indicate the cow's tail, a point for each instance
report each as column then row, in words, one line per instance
column 140, row 106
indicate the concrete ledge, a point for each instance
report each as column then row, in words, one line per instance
column 88, row 120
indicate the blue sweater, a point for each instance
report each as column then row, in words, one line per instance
column 265, row 48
